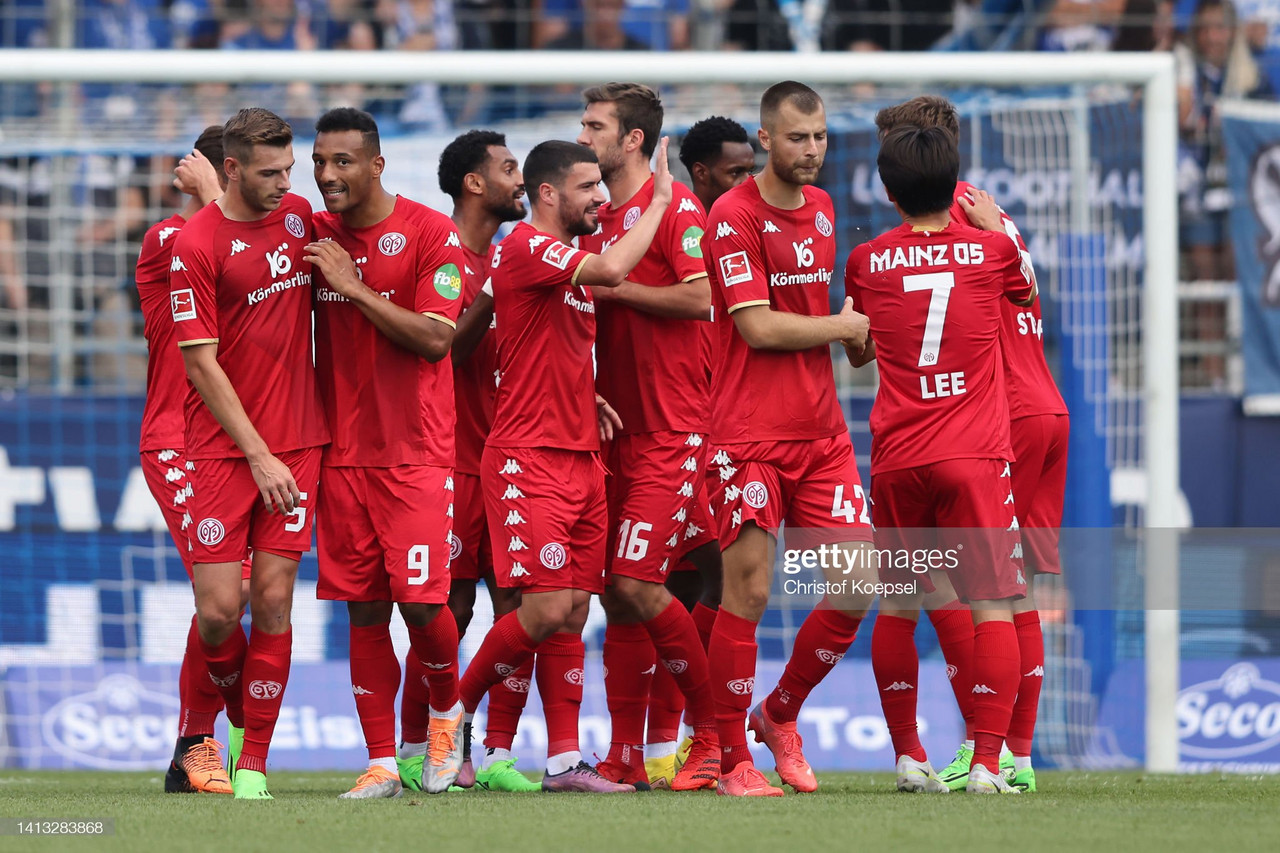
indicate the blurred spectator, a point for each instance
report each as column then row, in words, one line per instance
column 1260, row 20
column 995, row 24
column 1213, row 64
column 888, row 24
column 420, row 25
column 274, row 25
column 757, row 25
column 657, row 24
column 120, row 25
column 1081, row 24
column 22, row 24
column 600, row 29
column 1146, row 26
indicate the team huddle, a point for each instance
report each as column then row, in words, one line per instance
column 624, row 398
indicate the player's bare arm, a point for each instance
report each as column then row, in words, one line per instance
column 472, row 327
column 611, row 268
column 418, row 333
column 610, row 423
column 196, row 176
column 687, row 300
column 274, row 479
column 763, row 328
column 860, row 357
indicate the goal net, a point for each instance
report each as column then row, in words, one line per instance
column 96, row 604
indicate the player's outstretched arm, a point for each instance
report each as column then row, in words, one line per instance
column 472, row 326
column 688, row 300
column 609, row 269
column 426, row 336
column 763, row 328
column 273, row 477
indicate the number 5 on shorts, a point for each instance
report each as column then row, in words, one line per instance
column 419, row 561
column 297, row 518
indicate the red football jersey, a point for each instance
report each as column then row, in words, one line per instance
column 757, row 254
column 475, row 381
column 388, row 406
column 245, row 287
column 162, row 427
column 546, row 327
column 1029, row 381
column 653, row 370
column 933, row 298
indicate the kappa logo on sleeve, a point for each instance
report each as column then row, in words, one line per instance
column 183, row 303
column 735, row 269
column 687, row 205
column 558, row 255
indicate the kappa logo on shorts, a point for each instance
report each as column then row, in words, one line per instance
column 514, row 517
column 685, row 490
column 512, row 493
column 455, row 547
column 631, row 218
column 224, row 682
column 553, row 555
column 681, row 514
column 736, row 519
column 674, row 540
column 721, row 458
column 694, row 440
column 690, row 464
column 676, row 667
column 1013, row 527
column 294, row 225
column 822, row 224
column 166, row 455
column 828, row 657
column 517, row 544
column 1022, row 581
column 210, row 532
column 265, row 689
column 575, row 677
column 516, row 685
column 755, row 494
column 692, row 530
column 392, row 244
column 511, row 466
column 731, row 493
column 519, row 571
column 741, row 686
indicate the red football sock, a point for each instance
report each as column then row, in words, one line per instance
column 821, row 642
column 1031, row 652
column 414, row 714
column 506, row 703
column 954, row 626
column 375, row 678
column 732, row 664
column 225, row 663
column 197, row 694
column 666, row 704
column 705, row 618
column 266, row 674
column 437, row 647
column 896, row 664
column 505, row 649
column 680, row 651
column 559, row 671
column 995, row 687
column 629, row 663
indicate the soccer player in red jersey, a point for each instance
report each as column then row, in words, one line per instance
column 541, row 471
column 240, row 293
column 654, row 368
column 196, row 765
column 780, row 446
column 718, row 155
column 479, row 172
column 387, row 294
column 940, row 438
column 1039, row 430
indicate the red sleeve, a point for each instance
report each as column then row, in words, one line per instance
column 552, row 263
column 440, row 264
column 739, row 263
column 852, row 268
column 1018, row 280
column 192, row 293
column 681, row 235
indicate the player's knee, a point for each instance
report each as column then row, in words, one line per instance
column 504, row 600
column 419, row 615
column 217, row 619
column 271, row 603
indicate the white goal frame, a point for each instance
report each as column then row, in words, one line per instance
column 1153, row 74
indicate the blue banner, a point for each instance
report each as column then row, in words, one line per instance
column 1252, row 135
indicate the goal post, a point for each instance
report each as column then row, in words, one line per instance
column 1150, row 76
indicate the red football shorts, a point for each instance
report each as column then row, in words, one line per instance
column 547, row 517
column 385, row 534
column 166, row 474
column 473, row 553
column 956, row 515
column 812, row 485
column 229, row 516
column 658, row 508
column 1039, row 485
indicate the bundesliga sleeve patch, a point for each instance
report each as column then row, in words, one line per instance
column 448, row 281
column 735, row 269
column 691, row 242
column 558, row 255
column 183, row 303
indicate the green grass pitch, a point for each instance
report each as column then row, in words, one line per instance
column 1094, row 812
